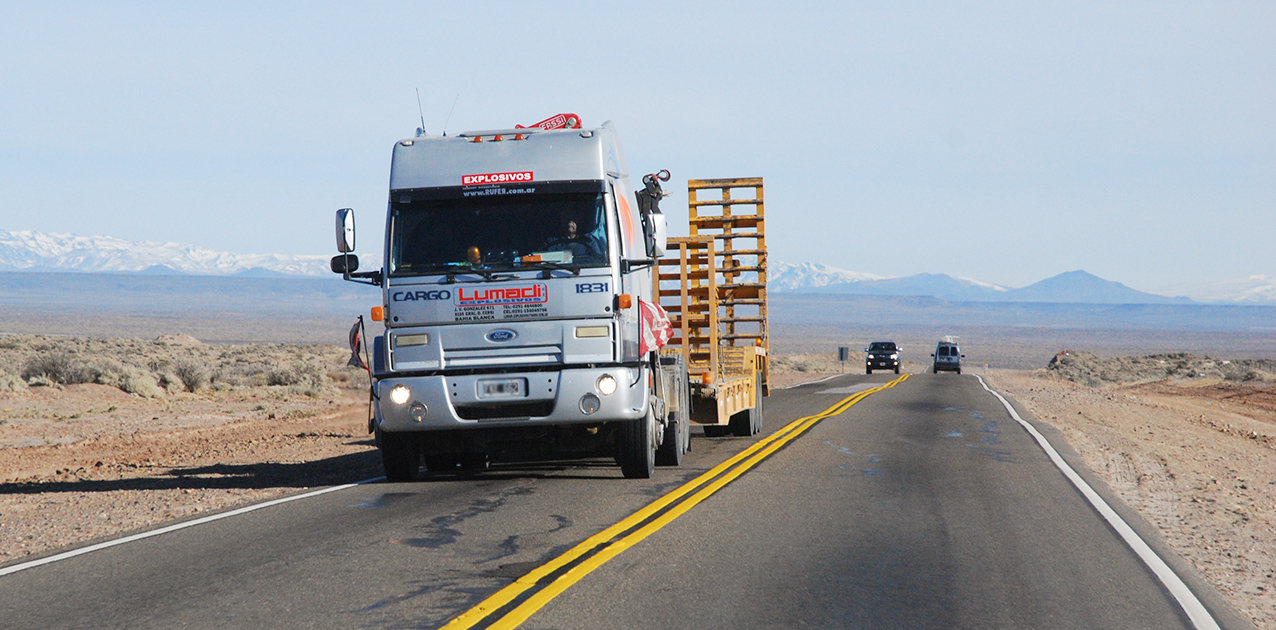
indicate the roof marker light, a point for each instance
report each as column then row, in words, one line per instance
column 498, row 138
column 477, row 139
column 519, row 136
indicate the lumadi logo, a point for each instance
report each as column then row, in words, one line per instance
column 500, row 335
column 536, row 294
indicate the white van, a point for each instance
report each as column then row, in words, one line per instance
column 947, row 357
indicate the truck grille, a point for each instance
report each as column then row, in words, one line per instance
column 526, row 355
column 538, row 409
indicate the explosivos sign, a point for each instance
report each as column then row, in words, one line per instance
column 496, row 178
column 498, row 296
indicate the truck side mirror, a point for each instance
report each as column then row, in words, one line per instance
column 659, row 234
column 345, row 263
column 345, row 232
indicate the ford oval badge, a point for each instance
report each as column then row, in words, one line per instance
column 499, row 335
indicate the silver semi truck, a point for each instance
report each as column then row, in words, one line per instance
column 518, row 267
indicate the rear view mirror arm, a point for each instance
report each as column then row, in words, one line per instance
column 364, row 277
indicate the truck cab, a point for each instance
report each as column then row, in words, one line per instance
column 515, row 264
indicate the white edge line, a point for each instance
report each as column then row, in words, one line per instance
column 814, row 382
column 1196, row 611
column 172, row 528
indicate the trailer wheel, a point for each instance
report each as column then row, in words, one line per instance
column 745, row 423
column 637, row 439
column 716, row 430
column 758, row 405
column 400, row 456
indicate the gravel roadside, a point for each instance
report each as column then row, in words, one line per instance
column 1197, row 465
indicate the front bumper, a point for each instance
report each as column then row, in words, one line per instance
column 881, row 363
column 551, row 398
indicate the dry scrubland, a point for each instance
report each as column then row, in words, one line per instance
column 171, row 364
column 102, row 436
column 99, row 436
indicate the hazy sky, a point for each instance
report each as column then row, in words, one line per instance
column 1000, row 141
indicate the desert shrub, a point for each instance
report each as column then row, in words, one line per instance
column 169, row 381
column 308, row 378
column 283, row 376
column 12, row 383
column 130, row 379
column 231, row 373
column 193, row 375
column 62, row 368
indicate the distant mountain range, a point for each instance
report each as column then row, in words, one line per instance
column 1072, row 287
column 36, row 251
column 1078, row 287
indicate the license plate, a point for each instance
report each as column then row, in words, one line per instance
column 502, row 388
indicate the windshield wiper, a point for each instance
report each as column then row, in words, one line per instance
column 546, row 267
column 486, row 273
column 453, row 273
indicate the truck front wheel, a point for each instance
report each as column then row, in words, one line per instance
column 677, row 431
column 637, row 456
column 400, row 455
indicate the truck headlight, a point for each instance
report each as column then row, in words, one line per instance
column 400, row 394
column 416, row 411
column 606, row 385
column 894, row 357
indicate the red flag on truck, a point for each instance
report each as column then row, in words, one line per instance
column 356, row 345
column 657, row 330
column 557, row 121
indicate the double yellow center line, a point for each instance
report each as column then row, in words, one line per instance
column 557, row 575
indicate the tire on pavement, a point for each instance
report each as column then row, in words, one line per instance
column 637, row 442
column 400, row 455
column 677, row 439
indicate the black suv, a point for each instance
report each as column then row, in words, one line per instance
column 881, row 355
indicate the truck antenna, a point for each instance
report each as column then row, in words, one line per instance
column 449, row 113
column 420, row 131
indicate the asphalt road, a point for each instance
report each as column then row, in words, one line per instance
column 922, row 506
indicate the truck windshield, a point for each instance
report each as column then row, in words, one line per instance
column 498, row 232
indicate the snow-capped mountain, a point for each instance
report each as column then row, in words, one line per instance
column 27, row 250
column 37, row 251
column 1256, row 289
column 811, row 277
column 782, row 276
